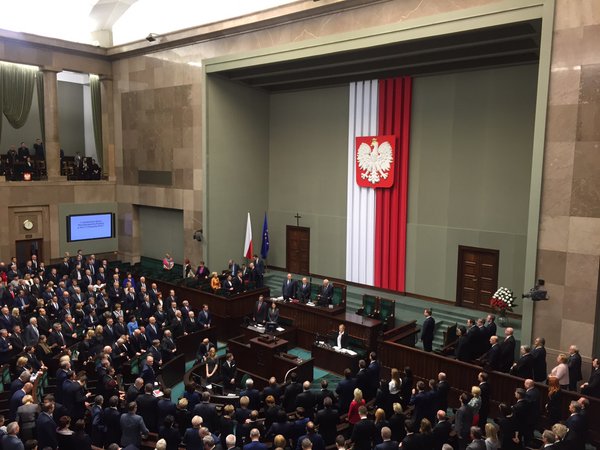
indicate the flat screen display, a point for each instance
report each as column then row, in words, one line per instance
column 85, row 227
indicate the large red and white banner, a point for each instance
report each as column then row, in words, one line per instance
column 376, row 222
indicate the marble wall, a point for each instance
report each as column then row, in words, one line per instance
column 569, row 239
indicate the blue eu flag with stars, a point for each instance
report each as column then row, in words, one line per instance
column 264, row 249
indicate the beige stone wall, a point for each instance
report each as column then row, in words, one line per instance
column 569, row 239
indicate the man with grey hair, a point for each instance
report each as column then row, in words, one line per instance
column 548, row 439
column 11, row 440
column 20, row 382
column 230, row 441
column 577, row 426
column 208, row 442
column 254, row 443
column 387, row 444
column 574, row 364
column 252, row 394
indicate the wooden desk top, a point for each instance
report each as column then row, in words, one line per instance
column 270, row 345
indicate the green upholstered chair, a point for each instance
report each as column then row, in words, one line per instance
column 387, row 312
column 369, row 306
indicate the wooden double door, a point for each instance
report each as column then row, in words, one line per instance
column 477, row 278
column 297, row 245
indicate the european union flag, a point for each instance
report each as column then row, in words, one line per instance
column 264, row 249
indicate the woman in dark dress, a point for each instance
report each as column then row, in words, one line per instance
column 553, row 406
column 212, row 366
column 227, row 425
column 397, row 423
column 64, row 436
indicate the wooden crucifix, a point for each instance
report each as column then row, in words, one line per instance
column 298, row 217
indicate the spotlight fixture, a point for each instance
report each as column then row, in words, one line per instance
column 152, row 37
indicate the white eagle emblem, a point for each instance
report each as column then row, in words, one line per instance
column 375, row 163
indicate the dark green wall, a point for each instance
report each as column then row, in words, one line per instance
column 160, row 233
column 308, row 174
column 237, row 168
column 470, row 170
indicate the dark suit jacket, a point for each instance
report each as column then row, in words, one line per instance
column 345, row 393
column 462, row 351
column 288, row 289
column 507, row 353
column 132, row 429
column 12, row 443
column 307, row 400
column 148, row 410
column 260, row 314
column 574, row 364
column 328, row 419
column 477, row 444
column 255, row 445
column 593, row 387
column 289, row 396
column 387, row 445
column 540, row 370
column 428, row 329
column 363, row 434
column 463, row 421
column 46, row 431
column 326, row 294
column 30, row 337
column 303, row 292
column 441, row 433
column 208, row 412
column 524, row 367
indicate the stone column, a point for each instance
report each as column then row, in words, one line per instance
column 108, row 127
column 51, row 139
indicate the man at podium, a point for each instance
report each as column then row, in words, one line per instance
column 288, row 290
column 325, row 293
column 341, row 340
column 260, row 311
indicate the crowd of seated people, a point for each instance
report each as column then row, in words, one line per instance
column 91, row 320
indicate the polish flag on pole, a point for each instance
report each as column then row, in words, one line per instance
column 248, row 250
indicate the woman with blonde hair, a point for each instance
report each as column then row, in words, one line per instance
column 491, row 437
column 353, row 416
column 475, row 403
column 26, row 416
column 553, row 405
column 16, row 315
column 426, row 434
column 215, row 283
column 212, row 366
column 395, row 384
column 380, row 422
column 20, row 365
column 561, row 371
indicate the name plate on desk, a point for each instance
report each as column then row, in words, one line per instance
column 267, row 339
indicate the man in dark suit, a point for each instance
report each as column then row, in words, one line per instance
column 288, row 289
column 441, row 431
column 11, row 441
column 238, row 282
column 462, row 351
column 324, row 393
column 484, row 409
column 524, row 366
column 592, row 387
column 374, row 371
column 327, row 419
column 307, row 400
column 507, row 350
column 208, row 412
column 423, row 403
column 387, row 443
column 574, row 364
column 303, row 290
column 363, row 432
column 229, row 372
column 74, row 395
column 290, row 393
column 443, row 389
column 325, row 294
column 148, row 374
column 492, row 360
column 576, row 436
column 521, row 411
column 540, row 370
column 147, row 407
column 46, row 427
column 252, row 394
column 111, row 419
column 477, row 442
column 16, row 399
column 31, row 336
column 204, row 317
column 260, row 311
column 133, row 428
column 427, row 330
column 345, row 391
column 462, row 421
column 532, row 395
column 254, row 443
column 362, row 378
